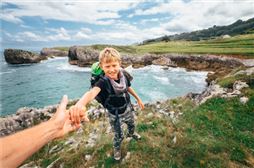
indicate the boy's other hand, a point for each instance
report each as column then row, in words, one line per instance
column 141, row 105
column 78, row 114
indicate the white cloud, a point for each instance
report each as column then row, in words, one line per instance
column 60, row 34
column 10, row 18
column 78, row 11
column 198, row 14
column 28, row 36
column 83, row 34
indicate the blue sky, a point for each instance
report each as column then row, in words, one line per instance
column 32, row 24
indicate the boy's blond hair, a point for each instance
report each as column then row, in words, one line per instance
column 108, row 55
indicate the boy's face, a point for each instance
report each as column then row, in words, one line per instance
column 111, row 69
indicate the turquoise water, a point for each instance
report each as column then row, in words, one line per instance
column 38, row 85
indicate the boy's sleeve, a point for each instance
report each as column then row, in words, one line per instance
column 128, row 82
column 100, row 84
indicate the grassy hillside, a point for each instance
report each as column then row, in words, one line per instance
column 237, row 28
column 242, row 45
column 218, row 133
column 238, row 45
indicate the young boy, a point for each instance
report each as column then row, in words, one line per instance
column 116, row 100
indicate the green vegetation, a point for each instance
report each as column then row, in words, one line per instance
column 238, row 28
column 241, row 45
column 62, row 48
column 238, row 45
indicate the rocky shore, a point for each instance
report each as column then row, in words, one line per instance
column 17, row 56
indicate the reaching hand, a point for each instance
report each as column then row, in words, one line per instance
column 77, row 114
column 62, row 120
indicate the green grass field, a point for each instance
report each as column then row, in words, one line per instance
column 242, row 45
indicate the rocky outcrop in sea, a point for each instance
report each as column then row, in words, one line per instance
column 52, row 52
column 17, row 56
column 82, row 56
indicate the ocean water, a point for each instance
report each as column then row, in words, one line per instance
column 43, row 84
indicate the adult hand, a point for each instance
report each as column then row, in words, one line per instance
column 61, row 119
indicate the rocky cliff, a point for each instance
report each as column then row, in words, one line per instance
column 52, row 52
column 16, row 56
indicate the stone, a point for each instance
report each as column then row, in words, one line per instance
column 238, row 85
column 16, row 56
column 88, row 157
column 164, row 61
column 244, row 100
column 149, row 115
column 82, row 56
column 55, row 149
column 53, row 52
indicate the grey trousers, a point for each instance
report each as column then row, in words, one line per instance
column 128, row 118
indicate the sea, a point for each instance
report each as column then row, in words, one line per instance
column 44, row 84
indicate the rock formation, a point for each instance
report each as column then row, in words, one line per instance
column 16, row 56
column 49, row 52
column 82, row 56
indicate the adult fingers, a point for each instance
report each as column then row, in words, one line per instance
column 63, row 104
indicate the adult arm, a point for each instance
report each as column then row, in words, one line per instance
column 18, row 147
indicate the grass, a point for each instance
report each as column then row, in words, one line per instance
column 228, row 81
column 238, row 45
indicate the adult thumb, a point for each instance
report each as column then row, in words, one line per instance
column 63, row 103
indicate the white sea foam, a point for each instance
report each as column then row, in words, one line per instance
column 155, row 95
column 151, row 68
column 7, row 72
column 129, row 69
column 53, row 59
column 177, row 69
column 73, row 68
column 162, row 80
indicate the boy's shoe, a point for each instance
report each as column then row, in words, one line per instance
column 135, row 136
column 117, row 154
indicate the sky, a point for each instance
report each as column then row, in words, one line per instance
column 34, row 24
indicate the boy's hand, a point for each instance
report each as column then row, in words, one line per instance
column 140, row 103
column 78, row 114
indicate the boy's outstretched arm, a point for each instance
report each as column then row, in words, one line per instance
column 134, row 94
column 77, row 112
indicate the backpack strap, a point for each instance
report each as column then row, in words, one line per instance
column 109, row 88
